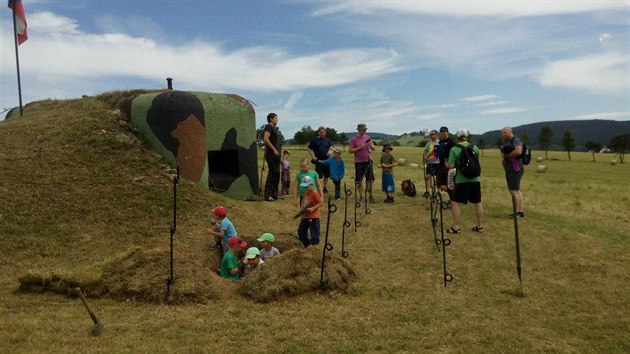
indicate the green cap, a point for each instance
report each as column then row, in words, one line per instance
column 252, row 253
column 266, row 237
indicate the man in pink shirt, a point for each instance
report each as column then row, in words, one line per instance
column 361, row 145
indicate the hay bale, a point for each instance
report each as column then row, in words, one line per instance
column 541, row 169
column 539, row 159
column 413, row 165
column 402, row 162
column 613, row 162
column 296, row 272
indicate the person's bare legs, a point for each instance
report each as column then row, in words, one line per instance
column 457, row 215
column 479, row 212
column 518, row 199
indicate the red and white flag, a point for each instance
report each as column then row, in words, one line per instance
column 20, row 20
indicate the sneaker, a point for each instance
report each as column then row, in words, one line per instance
column 387, row 200
column 269, row 199
column 426, row 194
column 519, row 215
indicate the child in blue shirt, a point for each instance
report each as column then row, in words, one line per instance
column 337, row 170
column 225, row 230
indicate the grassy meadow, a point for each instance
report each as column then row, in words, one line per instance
column 75, row 192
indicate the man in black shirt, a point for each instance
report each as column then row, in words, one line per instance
column 319, row 148
column 442, row 149
column 272, row 156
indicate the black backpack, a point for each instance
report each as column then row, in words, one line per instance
column 408, row 188
column 468, row 164
column 526, row 153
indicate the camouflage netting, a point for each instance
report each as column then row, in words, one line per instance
column 140, row 275
column 296, row 272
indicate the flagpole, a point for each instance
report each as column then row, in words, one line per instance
column 17, row 61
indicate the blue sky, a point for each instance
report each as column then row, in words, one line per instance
column 398, row 66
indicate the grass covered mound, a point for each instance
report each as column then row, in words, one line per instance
column 295, row 272
column 141, row 276
column 137, row 275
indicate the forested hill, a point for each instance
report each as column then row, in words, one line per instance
column 584, row 130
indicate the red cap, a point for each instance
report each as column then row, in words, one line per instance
column 235, row 241
column 220, row 211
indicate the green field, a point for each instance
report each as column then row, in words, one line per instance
column 75, row 194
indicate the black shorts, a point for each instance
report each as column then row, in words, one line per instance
column 513, row 179
column 432, row 169
column 363, row 169
column 441, row 178
column 467, row 192
column 323, row 171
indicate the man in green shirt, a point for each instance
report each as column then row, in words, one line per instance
column 229, row 263
column 466, row 189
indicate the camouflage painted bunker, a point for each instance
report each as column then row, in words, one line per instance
column 211, row 136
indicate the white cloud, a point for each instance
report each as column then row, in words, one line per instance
column 493, row 103
column 607, row 73
column 466, row 8
column 601, row 115
column 293, row 99
column 498, row 40
column 49, row 24
column 479, row 98
column 507, row 110
column 52, row 52
column 141, row 26
column 604, row 37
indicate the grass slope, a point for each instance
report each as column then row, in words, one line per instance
column 78, row 191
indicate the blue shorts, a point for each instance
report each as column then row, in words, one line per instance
column 388, row 183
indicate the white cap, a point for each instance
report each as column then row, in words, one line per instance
column 461, row 133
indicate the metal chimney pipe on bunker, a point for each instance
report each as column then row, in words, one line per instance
column 169, row 82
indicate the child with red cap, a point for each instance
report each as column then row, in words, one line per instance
column 229, row 263
column 225, row 229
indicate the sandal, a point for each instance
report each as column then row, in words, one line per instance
column 477, row 229
column 453, row 230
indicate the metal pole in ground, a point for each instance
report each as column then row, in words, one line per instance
column 347, row 193
column 327, row 246
column 170, row 279
column 518, row 247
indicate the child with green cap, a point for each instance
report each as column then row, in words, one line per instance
column 252, row 260
column 267, row 251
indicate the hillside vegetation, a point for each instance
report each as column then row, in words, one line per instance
column 584, row 130
column 82, row 196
